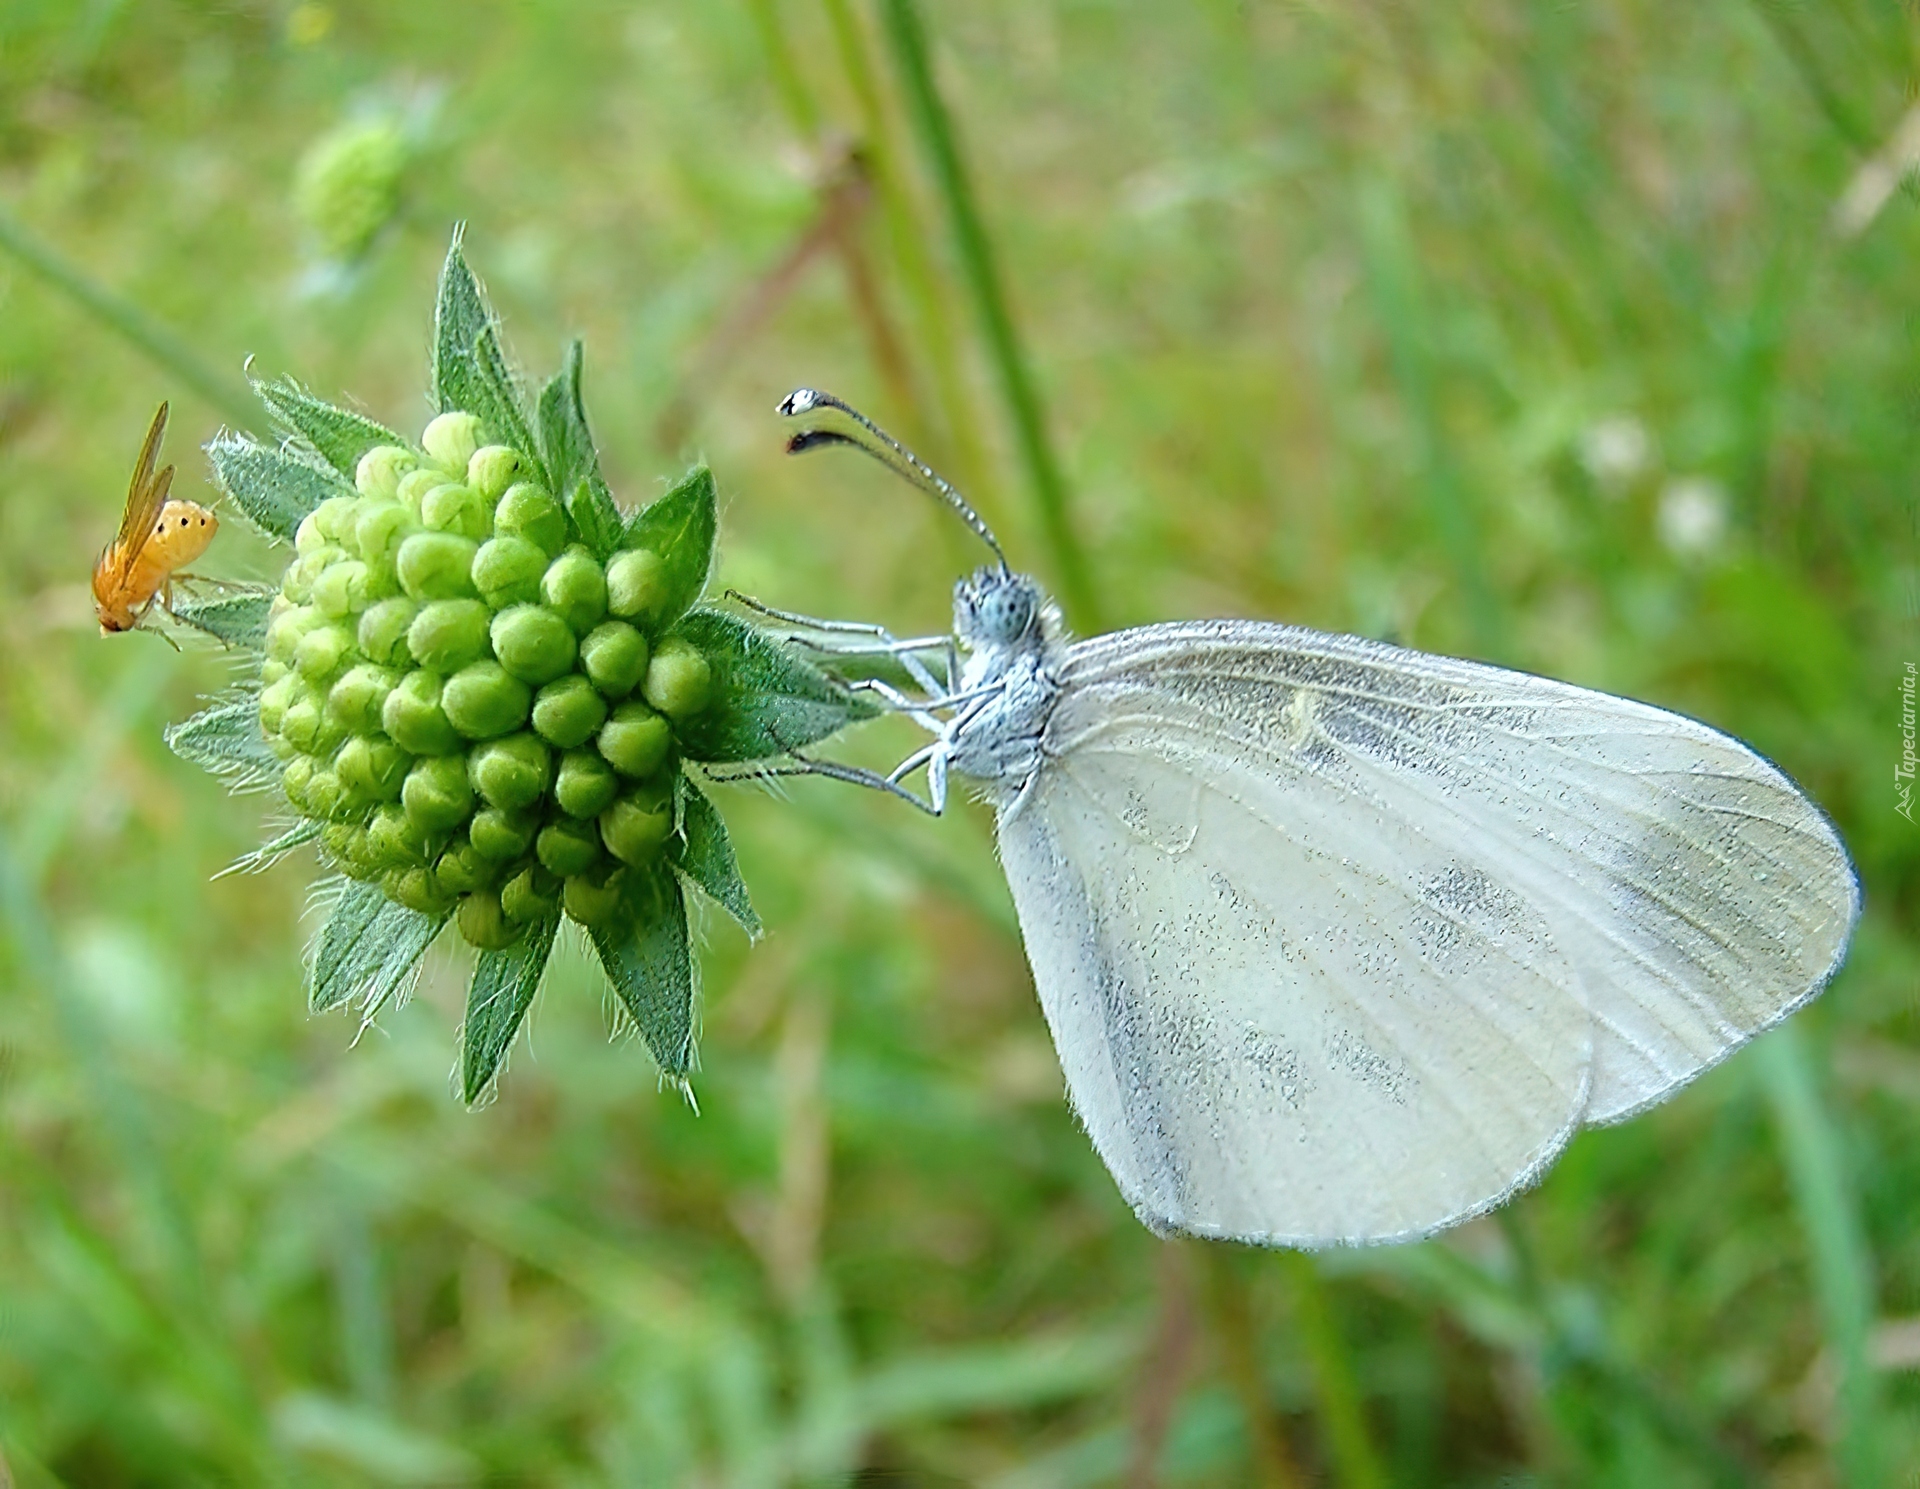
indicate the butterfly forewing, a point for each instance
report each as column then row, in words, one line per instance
column 1339, row 942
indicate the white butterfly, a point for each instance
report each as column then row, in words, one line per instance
column 1341, row 942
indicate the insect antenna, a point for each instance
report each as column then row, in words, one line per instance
column 883, row 447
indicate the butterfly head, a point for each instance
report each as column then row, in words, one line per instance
column 995, row 608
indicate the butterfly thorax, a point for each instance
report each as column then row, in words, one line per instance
column 1014, row 643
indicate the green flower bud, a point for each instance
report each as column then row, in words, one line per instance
column 297, row 583
column 293, row 781
column 511, row 773
column 414, row 719
column 584, row 786
column 679, row 681
column 300, row 722
column 507, row 571
column 271, row 671
column 371, row 770
column 346, row 844
column 344, row 589
column 575, row 588
column 284, row 634
column 451, row 440
column 637, row 826
column 566, row 847
column 395, row 840
column 437, row 795
column 448, row 634
column 323, row 652
column 568, row 711
column 529, row 511
column 457, row 509
column 355, row 702
column 437, row 566
column 307, row 537
column 529, row 895
column 594, row 899
column 415, row 484
column 637, row 585
column 335, row 517
column 280, row 748
column 502, row 836
column 483, row 924
column 634, row 739
column 326, row 797
column 615, row 656
column 461, row 870
column 492, row 469
column 483, row 700
column 415, row 889
column 347, row 185
column 382, row 528
column 380, row 469
column 277, row 696
column 532, row 643
column 383, row 631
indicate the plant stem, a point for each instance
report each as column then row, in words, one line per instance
column 975, row 252
column 1348, row 1442
column 120, row 314
column 1842, row 1265
column 963, row 454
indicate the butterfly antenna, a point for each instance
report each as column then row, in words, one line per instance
column 883, row 447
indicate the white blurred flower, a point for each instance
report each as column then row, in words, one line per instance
column 1692, row 517
column 1614, row 450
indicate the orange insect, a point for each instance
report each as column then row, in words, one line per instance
column 157, row 538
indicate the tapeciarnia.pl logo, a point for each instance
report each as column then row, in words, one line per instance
column 1903, row 772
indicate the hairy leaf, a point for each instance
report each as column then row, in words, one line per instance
column 274, row 487
column 650, row 965
column 567, row 445
column 470, row 370
column 227, row 741
column 367, row 948
column 339, row 436
column 497, row 1000
column 270, row 853
column 680, row 528
column 237, row 619
column 704, row 853
column 767, row 699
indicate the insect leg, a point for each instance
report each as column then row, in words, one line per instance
column 806, row 765
column 885, row 643
column 917, row 711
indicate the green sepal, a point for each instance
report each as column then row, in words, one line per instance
column 680, row 528
column 567, row 446
column 269, row 853
column 470, row 370
column 338, row 435
column 703, row 852
column 274, row 487
column 767, row 700
column 227, row 741
column 236, row 619
column 369, row 946
column 649, row 962
column 497, row 1000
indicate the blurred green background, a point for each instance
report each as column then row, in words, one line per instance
column 1525, row 331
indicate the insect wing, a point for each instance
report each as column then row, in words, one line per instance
column 146, row 494
column 1340, row 942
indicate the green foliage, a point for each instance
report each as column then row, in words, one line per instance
column 339, row 436
column 239, row 620
column 274, row 487
column 766, row 701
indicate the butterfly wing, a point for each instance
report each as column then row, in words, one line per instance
column 1341, row 942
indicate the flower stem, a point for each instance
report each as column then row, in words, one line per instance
column 120, row 314
column 908, row 41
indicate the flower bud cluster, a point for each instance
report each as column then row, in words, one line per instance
column 480, row 710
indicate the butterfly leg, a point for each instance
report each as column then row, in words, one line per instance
column 884, row 642
column 806, row 765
